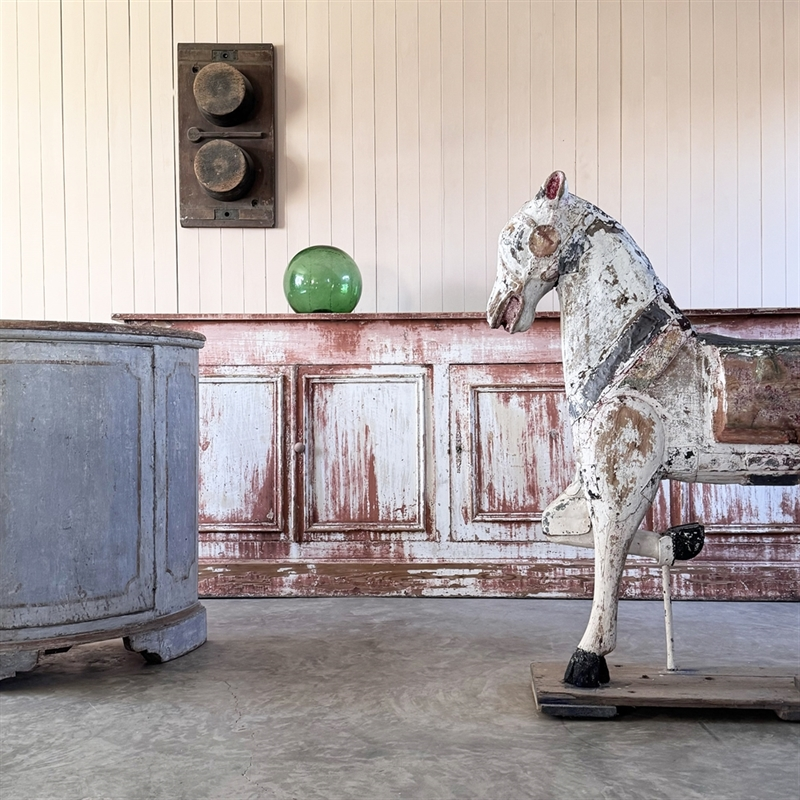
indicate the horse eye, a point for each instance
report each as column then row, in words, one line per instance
column 544, row 240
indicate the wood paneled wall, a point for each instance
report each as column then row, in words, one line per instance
column 408, row 132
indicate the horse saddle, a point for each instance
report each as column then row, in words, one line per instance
column 758, row 391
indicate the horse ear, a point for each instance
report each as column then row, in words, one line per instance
column 555, row 187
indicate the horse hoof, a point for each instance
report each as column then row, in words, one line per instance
column 687, row 540
column 586, row 670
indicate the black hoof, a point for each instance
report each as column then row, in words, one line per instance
column 586, row 670
column 687, row 540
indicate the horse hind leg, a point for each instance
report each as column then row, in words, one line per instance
column 677, row 543
column 687, row 540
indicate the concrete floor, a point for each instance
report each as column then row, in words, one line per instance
column 392, row 698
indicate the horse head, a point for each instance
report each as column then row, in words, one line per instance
column 528, row 256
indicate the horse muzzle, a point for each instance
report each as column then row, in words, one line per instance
column 508, row 313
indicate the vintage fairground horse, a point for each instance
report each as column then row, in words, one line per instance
column 649, row 397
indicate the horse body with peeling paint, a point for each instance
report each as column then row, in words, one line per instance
column 646, row 393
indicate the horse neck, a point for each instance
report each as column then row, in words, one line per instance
column 611, row 287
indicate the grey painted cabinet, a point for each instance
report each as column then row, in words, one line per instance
column 98, row 489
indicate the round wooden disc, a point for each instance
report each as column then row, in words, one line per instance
column 223, row 169
column 222, row 93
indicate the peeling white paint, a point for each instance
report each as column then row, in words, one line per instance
column 446, row 572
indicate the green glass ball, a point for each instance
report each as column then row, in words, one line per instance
column 322, row 278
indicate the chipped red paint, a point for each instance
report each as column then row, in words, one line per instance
column 535, row 411
column 554, row 185
column 464, row 532
column 365, row 467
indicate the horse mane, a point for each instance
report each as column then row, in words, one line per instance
column 638, row 312
column 592, row 221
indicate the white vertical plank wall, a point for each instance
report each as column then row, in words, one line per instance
column 362, row 60
column 275, row 240
column 340, row 38
column 231, row 262
column 726, row 148
column 408, row 189
column 10, row 218
column 187, row 240
column 677, row 270
column 791, row 54
column 29, row 164
column 386, row 161
column 408, row 131
column 430, row 160
column 701, row 169
column 452, row 111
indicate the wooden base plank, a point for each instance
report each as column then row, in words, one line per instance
column 646, row 685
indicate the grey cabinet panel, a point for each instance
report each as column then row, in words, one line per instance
column 94, row 538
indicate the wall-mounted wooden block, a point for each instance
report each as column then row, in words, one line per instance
column 226, row 135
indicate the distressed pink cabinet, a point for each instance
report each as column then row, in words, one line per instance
column 414, row 454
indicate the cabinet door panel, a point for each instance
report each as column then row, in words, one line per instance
column 513, row 449
column 365, row 464
column 242, row 424
column 519, row 447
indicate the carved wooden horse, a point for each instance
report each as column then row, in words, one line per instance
column 647, row 394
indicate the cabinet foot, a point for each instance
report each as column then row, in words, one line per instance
column 19, row 661
column 170, row 641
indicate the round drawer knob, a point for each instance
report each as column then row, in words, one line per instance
column 224, row 170
column 299, row 448
column 223, row 94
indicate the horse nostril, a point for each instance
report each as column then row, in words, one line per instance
column 511, row 312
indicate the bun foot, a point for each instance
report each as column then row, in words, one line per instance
column 171, row 640
column 17, row 661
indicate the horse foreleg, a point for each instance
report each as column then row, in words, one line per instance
column 567, row 520
column 587, row 667
column 620, row 455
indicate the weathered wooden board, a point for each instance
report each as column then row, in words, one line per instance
column 377, row 573
column 362, row 435
column 646, row 685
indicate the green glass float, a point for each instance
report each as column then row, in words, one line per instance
column 322, row 278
